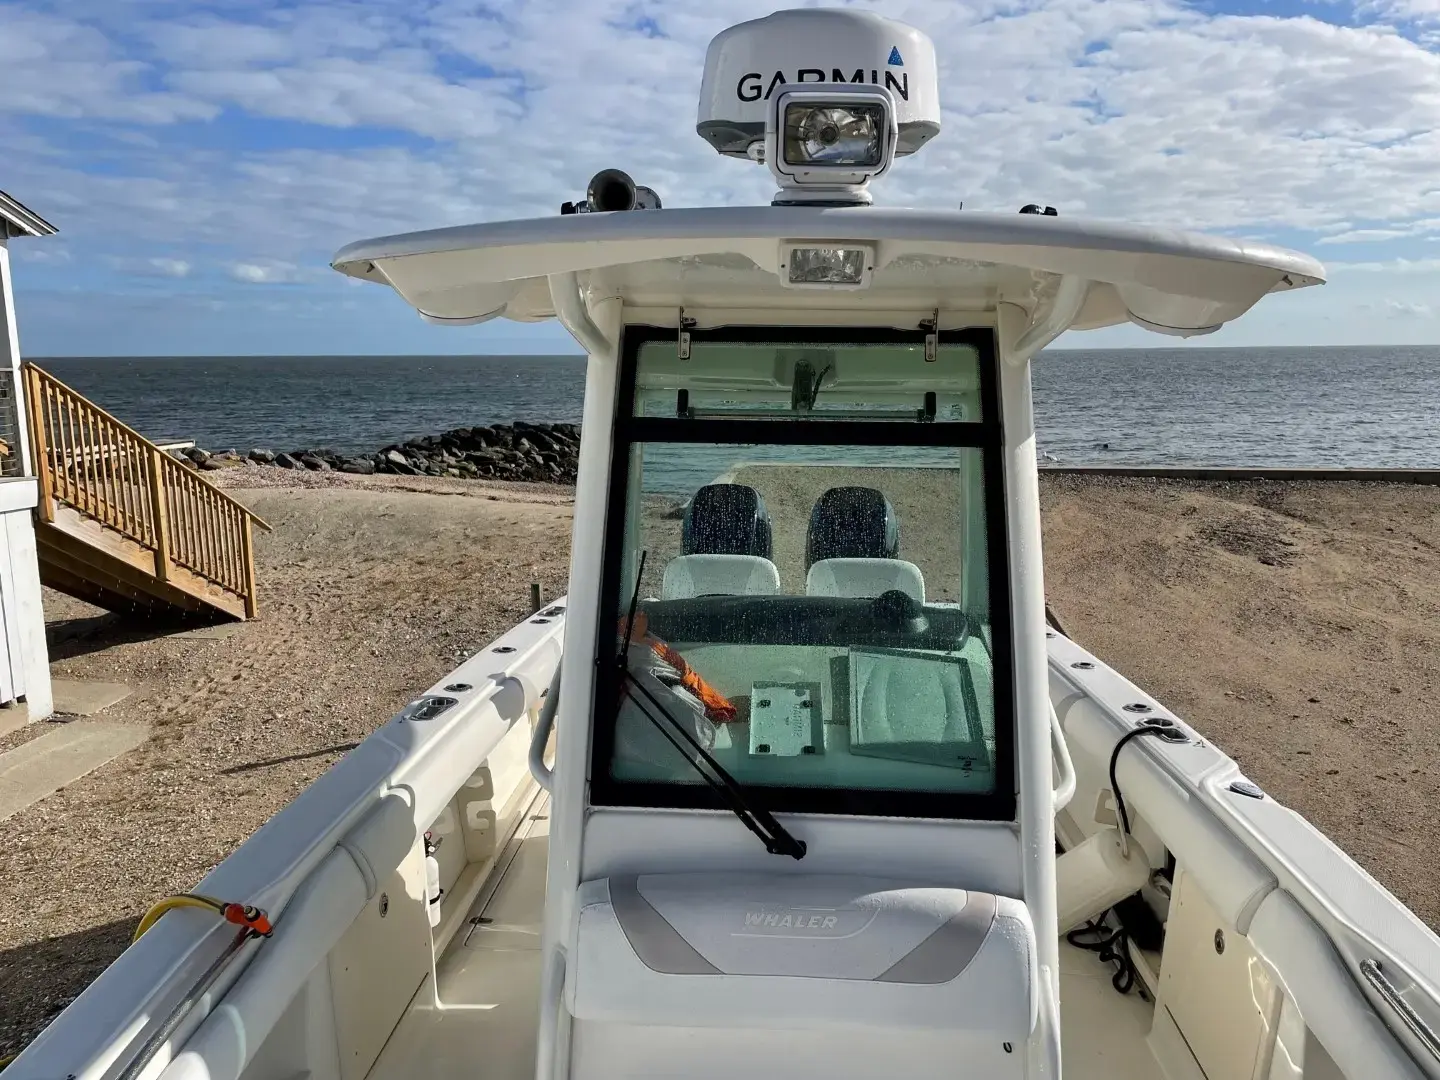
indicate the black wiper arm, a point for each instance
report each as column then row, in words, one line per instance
column 630, row 618
column 777, row 839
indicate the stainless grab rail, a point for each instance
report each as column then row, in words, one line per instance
column 1392, row 997
column 1064, row 766
column 544, row 775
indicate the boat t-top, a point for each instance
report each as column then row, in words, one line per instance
column 796, row 781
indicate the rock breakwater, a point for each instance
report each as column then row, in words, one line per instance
column 544, row 453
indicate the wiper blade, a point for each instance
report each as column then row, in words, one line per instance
column 777, row 839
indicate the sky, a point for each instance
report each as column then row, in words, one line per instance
column 204, row 160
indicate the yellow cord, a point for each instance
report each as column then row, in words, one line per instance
column 151, row 917
column 180, row 900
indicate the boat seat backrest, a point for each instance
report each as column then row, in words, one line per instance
column 864, row 577
column 803, row 953
column 852, row 523
column 719, row 575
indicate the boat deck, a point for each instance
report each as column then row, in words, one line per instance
column 488, row 980
column 489, row 991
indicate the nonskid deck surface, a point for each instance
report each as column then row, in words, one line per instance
column 489, row 983
column 489, row 986
column 1102, row 1033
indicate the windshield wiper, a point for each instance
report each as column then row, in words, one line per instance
column 777, row 839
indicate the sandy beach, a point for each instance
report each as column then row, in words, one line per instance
column 1298, row 625
column 371, row 588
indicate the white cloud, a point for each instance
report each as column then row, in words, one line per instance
column 1414, row 11
column 1363, row 236
column 44, row 252
column 1408, row 310
column 443, row 113
column 342, row 92
column 175, row 268
column 157, row 266
column 1228, row 122
column 264, row 273
column 61, row 69
column 1389, row 266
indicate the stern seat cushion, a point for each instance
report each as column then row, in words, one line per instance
column 801, row 951
column 719, row 575
column 864, row 577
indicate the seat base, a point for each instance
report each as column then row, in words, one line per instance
column 633, row 1052
column 802, row 952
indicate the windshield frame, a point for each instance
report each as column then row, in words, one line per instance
column 985, row 434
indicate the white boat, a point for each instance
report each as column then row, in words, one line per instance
column 816, row 751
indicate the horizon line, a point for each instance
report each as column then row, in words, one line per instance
column 582, row 356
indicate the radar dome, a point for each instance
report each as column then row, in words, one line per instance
column 746, row 64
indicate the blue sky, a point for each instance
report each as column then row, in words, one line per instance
column 203, row 161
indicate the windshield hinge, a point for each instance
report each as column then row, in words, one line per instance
column 931, row 326
column 686, row 325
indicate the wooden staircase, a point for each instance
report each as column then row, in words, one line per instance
column 123, row 525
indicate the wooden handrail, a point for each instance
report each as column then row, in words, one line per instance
column 46, row 377
column 90, row 461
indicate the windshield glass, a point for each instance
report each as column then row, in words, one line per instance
column 809, row 527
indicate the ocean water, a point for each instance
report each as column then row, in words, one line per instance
column 344, row 403
column 1376, row 406
column 1342, row 407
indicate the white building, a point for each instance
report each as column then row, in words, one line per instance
column 24, row 661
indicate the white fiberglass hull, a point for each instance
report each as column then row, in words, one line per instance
column 355, row 983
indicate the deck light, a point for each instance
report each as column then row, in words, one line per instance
column 811, row 267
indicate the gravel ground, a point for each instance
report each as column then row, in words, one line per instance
column 372, row 587
column 1296, row 624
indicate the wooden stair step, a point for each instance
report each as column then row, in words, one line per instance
column 122, row 524
column 91, row 562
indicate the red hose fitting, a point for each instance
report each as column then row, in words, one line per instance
column 249, row 916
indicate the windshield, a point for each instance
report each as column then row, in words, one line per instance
column 806, row 538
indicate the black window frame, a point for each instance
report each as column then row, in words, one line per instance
column 985, row 434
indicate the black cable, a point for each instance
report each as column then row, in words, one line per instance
column 1113, row 948
column 1133, row 733
column 815, row 387
column 1114, row 945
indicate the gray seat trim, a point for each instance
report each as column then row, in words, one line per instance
column 940, row 958
column 947, row 952
column 658, row 944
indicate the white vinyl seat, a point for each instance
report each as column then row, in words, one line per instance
column 802, row 953
column 719, row 575
column 864, row 577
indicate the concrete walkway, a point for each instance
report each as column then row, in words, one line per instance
column 14, row 717
column 44, row 765
column 74, row 697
